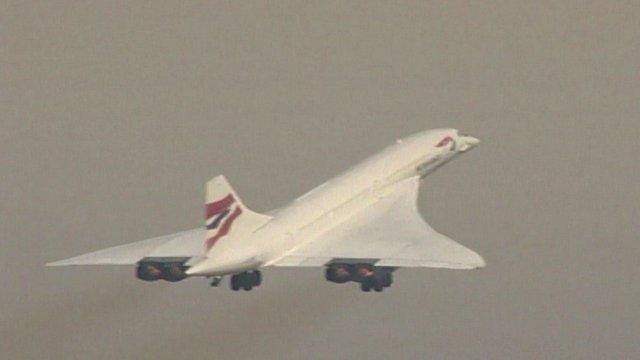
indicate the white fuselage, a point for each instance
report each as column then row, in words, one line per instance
column 337, row 200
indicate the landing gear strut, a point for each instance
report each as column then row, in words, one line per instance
column 215, row 281
column 246, row 280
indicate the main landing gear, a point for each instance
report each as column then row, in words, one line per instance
column 370, row 277
column 246, row 280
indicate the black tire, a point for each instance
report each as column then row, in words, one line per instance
column 257, row 278
column 365, row 286
column 378, row 287
column 387, row 281
column 247, row 287
column 235, row 284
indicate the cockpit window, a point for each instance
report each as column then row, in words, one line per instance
column 446, row 141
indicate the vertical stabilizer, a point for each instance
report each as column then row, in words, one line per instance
column 226, row 215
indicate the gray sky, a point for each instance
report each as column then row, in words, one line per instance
column 114, row 114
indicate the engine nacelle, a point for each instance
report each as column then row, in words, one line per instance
column 368, row 275
column 149, row 272
column 168, row 269
column 339, row 273
column 363, row 272
column 174, row 272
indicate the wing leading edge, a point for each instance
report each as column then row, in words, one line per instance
column 227, row 218
column 390, row 233
column 186, row 244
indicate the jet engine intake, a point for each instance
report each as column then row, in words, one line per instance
column 340, row 273
column 149, row 272
column 174, row 272
column 369, row 277
column 168, row 269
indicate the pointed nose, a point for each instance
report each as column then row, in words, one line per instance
column 468, row 142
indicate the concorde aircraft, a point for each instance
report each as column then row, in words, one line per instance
column 360, row 227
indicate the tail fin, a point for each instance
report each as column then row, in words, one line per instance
column 226, row 215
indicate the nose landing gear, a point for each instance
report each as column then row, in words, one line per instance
column 246, row 280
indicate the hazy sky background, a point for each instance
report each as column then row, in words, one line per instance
column 114, row 114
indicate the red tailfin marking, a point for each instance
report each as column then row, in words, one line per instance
column 217, row 207
column 224, row 229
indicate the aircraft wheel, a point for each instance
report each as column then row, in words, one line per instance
column 387, row 281
column 246, row 280
column 235, row 284
column 257, row 278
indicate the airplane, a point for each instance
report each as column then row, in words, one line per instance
column 359, row 227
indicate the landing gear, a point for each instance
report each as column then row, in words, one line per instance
column 215, row 281
column 235, row 283
column 246, row 281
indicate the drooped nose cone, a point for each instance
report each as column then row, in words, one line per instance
column 467, row 143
